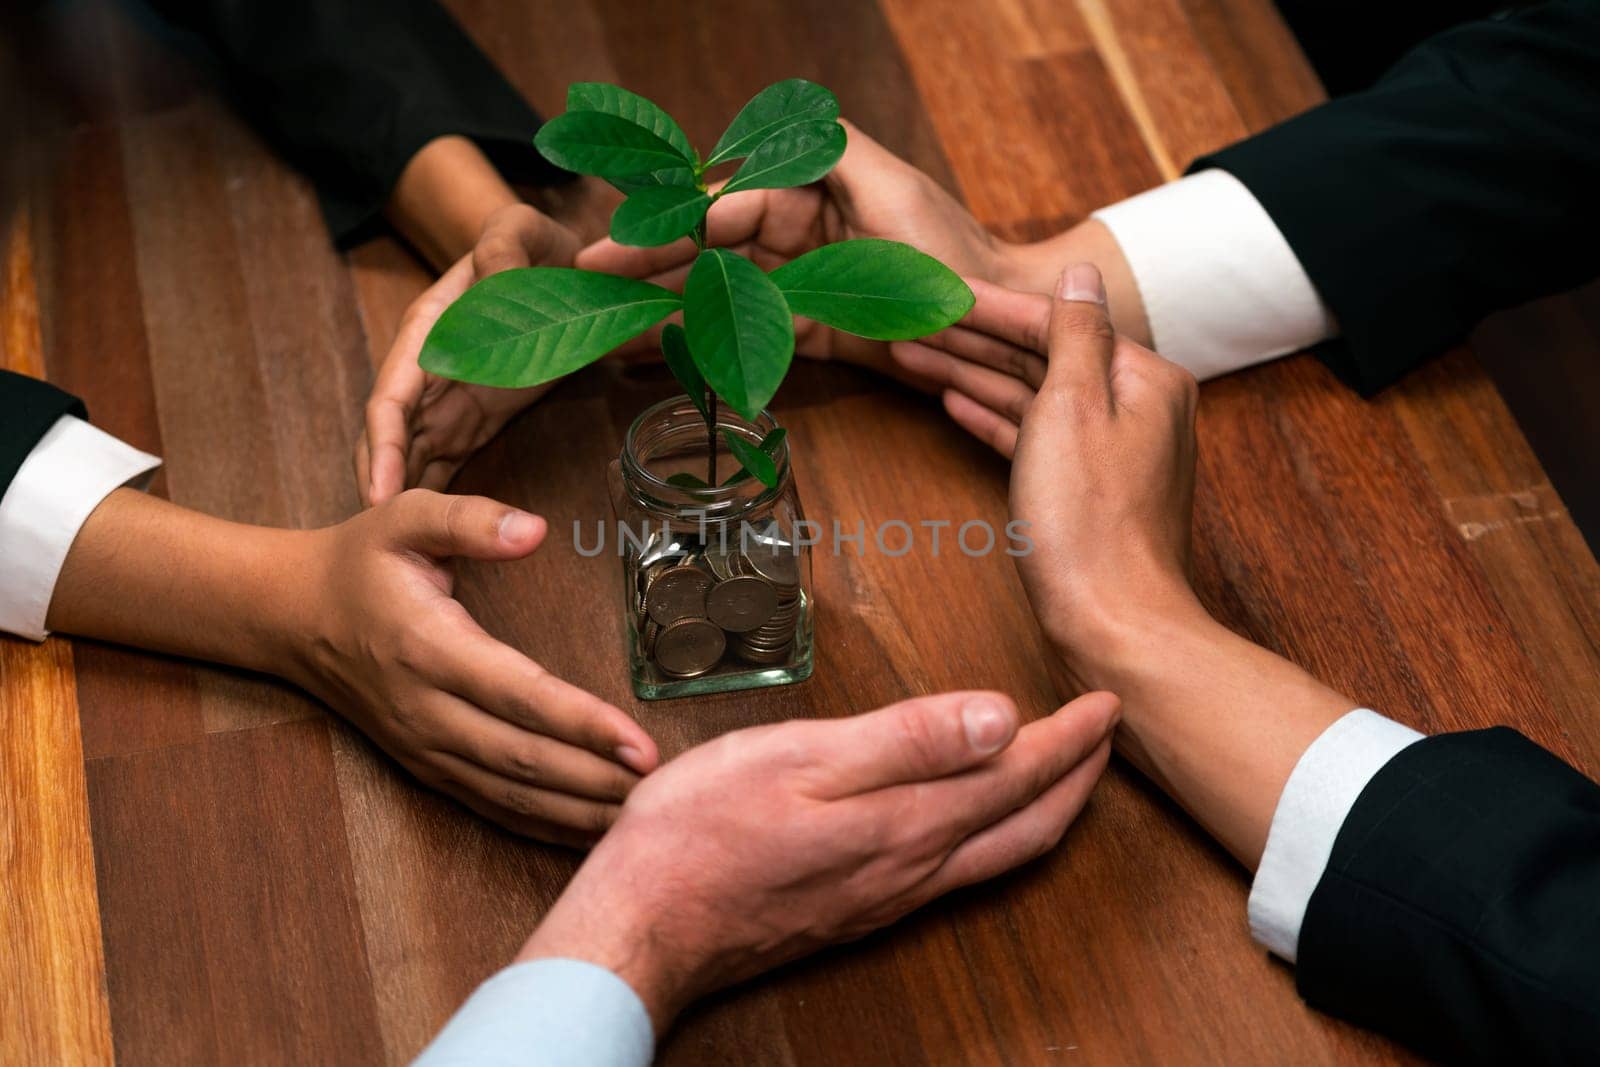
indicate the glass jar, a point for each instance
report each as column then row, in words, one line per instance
column 716, row 581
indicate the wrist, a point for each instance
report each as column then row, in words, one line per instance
column 298, row 629
column 1100, row 644
column 1035, row 267
column 444, row 195
column 615, row 923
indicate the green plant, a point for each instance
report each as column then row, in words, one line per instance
column 524, row 327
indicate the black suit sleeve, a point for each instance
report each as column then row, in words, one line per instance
column 28, row 408
column 1460, row 910
column 1463, row 182
column 349, row 90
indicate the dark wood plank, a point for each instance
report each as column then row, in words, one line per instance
column 229, row 902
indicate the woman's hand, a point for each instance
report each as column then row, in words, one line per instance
column 391, row 649
column 420, row 428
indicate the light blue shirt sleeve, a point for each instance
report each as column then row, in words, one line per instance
column 547, row 1013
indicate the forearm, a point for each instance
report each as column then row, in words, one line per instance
column 1218, row 722
column 147, row 573
column 1035, row 267
column 445, row 194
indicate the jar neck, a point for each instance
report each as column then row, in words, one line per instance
column 670, row 438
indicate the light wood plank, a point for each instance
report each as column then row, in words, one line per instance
column 52, row 971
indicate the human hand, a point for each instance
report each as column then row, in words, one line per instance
column 391, row 649
column 768, row 843
column 1104, row 471
column 871, row 193
column 420, row 428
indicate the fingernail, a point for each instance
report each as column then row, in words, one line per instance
column 632, row 757
column 517, row 526
column 1081, row 281
column 987, row 723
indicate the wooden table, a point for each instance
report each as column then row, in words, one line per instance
column 201, row 865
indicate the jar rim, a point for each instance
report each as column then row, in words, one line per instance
column 668, row 495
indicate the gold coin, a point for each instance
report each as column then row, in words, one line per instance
column 741, row 603
column 689, row 647
column 677, row 592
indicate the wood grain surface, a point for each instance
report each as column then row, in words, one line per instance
column 52, row 970
column 267, row 888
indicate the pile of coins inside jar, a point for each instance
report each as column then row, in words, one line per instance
column 699, row 601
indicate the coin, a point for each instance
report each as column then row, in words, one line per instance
column 689, row 647
column 741, row 603
column 776, row 562
column 720, row 560
column 780, row 622
column 762, row 656
column 677, row 592
column 647, row 637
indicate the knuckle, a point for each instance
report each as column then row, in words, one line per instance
column 413, row 642
column 1041, row 839
column 520, row 801
column 454, row 519
column 525, row 763
column 409, row 721
column 598, row 818
column 919, row 739
column 509, row 215
column 1018, row 364
column 1017, row 404
column 1090, row 325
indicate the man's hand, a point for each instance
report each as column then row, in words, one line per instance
column 871, row 193
column 396, row 654
column 771, row 842
column 1104, row 469
column 420, row 429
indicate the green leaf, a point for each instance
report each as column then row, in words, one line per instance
column 675, row 347
column 880, row 289
column 614, row 100
column 773, row 108
column 534, row 324
column 769, row 445
column 739, row 328
column 630, row 185
column 591, row 142
column 754, row 460
column 685, row 480
column 658, row 215
column 795, row 155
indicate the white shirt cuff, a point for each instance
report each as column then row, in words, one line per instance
column 69, row 472
column 547, row 1013
column 1321, row 790
column 1222, row 289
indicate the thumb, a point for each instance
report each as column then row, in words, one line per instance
column 442, row 525
column 863, row 161
column 916, row 740
column 1081, row 337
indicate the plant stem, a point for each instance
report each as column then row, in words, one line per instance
column 711, row 437
column 711, row 396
